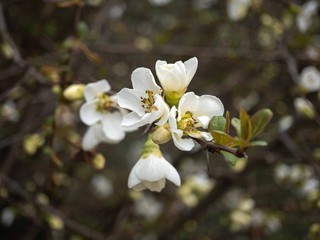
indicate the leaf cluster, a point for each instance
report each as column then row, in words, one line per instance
column 247, row 128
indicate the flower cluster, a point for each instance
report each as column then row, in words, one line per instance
column 102, row 114
column 172, row 112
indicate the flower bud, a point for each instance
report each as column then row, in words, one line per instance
column 99, row 161
column 304, row 107
column 74, row 92
column 161, row 135
column 32, row 142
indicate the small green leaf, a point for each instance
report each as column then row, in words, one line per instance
column 217, row 123
column 260, row 120
column 224, row 139
column 235, row 122
column 259, row 143
column 246, row 126
column 230, row 157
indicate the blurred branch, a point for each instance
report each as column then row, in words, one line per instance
column 17, row 58
column 291, row 64
column 204, row 52
column 14, row 188
column 215, row 148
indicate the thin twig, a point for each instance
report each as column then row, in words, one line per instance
column 214, row 148
column 17, row 58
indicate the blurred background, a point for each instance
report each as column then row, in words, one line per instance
column 251, row 54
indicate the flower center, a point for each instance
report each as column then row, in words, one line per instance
column 187, row 123
column 148, row 102
column 105, row 103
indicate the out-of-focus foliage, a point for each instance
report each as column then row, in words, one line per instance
column 51, row 189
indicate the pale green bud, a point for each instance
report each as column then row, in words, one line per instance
column 304, row 107
column 161, row 135
column 32, row 142
column 74, row 92
column 99, row 161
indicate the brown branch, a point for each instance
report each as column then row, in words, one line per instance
column 14, row 188
column 216, row 148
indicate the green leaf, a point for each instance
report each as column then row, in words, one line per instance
column 217, row 123
column 260, row 120
column 224, row 139
column 259, row 143
column 230, row 157
column 235, row 122
column 246, row 126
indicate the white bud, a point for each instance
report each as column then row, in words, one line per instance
column 74, row 92
column 304, row 107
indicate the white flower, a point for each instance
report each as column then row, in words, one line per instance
column 101, row 108
column 310, row 79
column 175, row 77
column 95, row 135
column 237, row 9
column 193, row 112
column 152, row 170
column 144, row 100
column 307, row 12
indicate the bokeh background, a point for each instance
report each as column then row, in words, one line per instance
column 251, row 57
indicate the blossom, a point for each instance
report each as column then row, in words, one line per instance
column 144, row 100
column 95, row 135
column 101, row 112
column 310, row 79
column 152, row 170
column 305, row 16
column 175, row 77
column 237, row 9
column 193, row 112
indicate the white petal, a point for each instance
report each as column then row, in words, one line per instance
column 164, row 109
column 184, row 144
column 171, row 76
column 174, row 177
column 209, row 106
column 132, row 120
column 199, row 134
column 139, row 187
column 152, row 168
column 90, row 141
column 111, row 126
column 191, row 66
column 93, row 90
column 133, row 179
column 131, row 99
column 156, row 186
column 188, row 102
column 143, row 79
column 89, row 114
